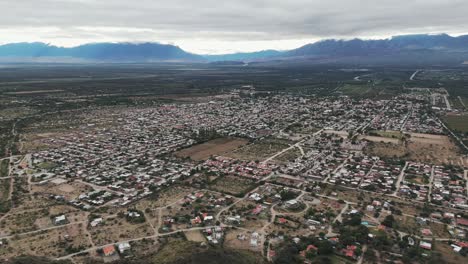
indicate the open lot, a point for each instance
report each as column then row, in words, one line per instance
column 233, row 185
column 51, row 243
column 259, row 150
column 117, row 228
column 195, row 236
column 436, row 149
column 212, row 147
column 69, row 190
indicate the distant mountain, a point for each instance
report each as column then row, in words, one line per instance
column 245, row 56
column 394, row 45
column 111, row 52
column 416, row 49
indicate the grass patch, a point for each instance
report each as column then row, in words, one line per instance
column 4, row 165
column 47, row 165
column 233, row 185
column 458, row 123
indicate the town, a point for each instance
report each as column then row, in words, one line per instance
column 358, row 180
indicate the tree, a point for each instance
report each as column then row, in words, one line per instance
column 388, row 221
column 325, row 248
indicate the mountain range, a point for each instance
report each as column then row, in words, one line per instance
column 421, row 48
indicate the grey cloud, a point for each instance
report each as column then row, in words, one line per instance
column 235, row 19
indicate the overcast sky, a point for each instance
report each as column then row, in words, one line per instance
column 223, row 26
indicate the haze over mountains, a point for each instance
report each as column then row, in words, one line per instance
column 421, row 48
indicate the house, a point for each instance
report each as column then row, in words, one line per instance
column 124, row 247
column 309, row 248
column 108, row 251
column 425, row 245
column 426, row 232
column 350, row 251
column 96, row 222
column 60, row 220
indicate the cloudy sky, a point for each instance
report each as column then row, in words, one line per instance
column 217, row 26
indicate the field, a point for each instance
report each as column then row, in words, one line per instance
column 165, row 197
column 287, row 156
column 448, row 255
column 387, row 134
column 356, row 90
column 380, row 139
column 4, row 167
column 232, row 241
column 23, row 222
column 52, row 243
column 233, row 185
column 4, row 195
column 458, row 123
column 178, row 251
column 195, row 236
column 69, row 190
column 426, row 148
column 212, row 147
column 115, row 229
column 259, row 150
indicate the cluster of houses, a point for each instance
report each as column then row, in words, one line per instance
column 415, row 184
column 230, row 166
column 354, row 170
column 408, row 114
column 449, row 187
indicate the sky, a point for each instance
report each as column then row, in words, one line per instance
column 217, row 26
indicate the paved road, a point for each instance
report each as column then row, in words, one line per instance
column 462, row 102
column 414, row 75
column 447, row 103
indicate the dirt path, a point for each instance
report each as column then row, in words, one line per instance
column 466, row 178
column 431, row 179
column 290, row 147
column 338, row 218
column 90, row 238
column 361, row 258
column 400, row 179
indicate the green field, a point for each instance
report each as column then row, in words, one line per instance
column 4, row 193
column 457, row 123
column 4, row 168
column 355, row 90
